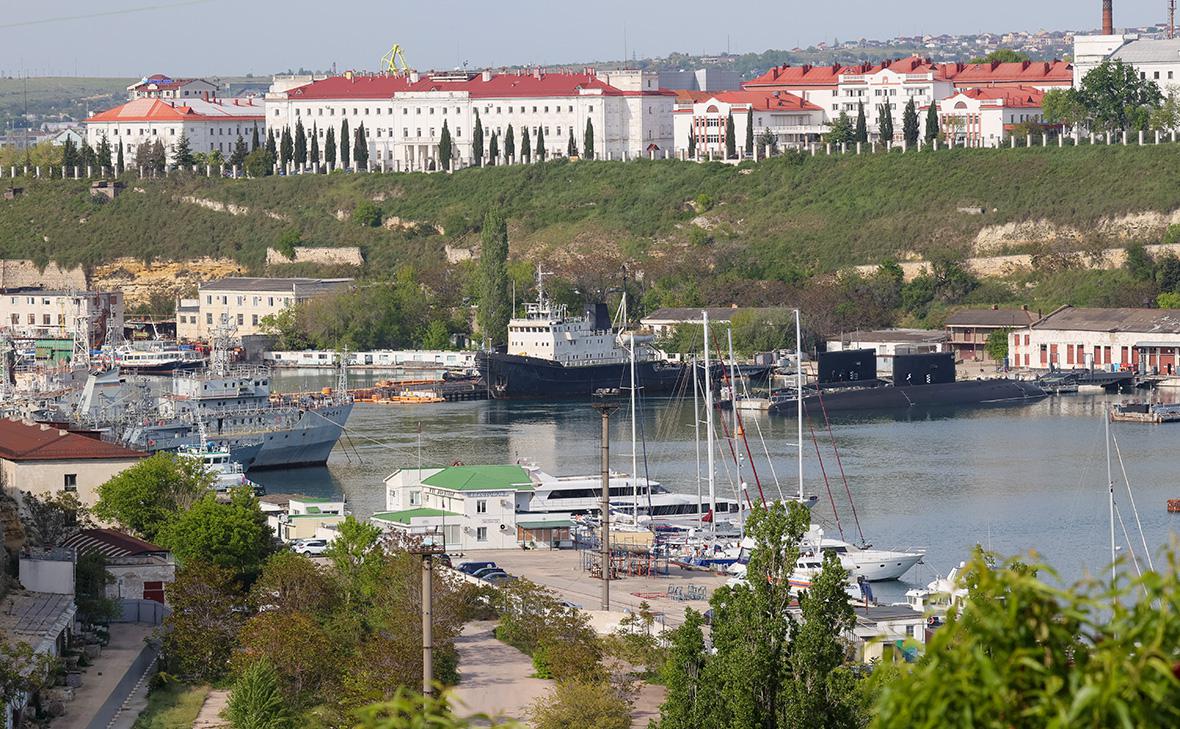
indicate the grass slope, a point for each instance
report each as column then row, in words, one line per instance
column 771, row 220
column 174, row 706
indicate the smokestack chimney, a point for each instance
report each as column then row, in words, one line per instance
column 1107, row 17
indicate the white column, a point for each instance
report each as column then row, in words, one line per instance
column 1140, row 137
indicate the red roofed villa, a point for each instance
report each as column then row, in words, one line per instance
column 984, row 117
column 44, row 460
column 789, row 119
column 209, row 124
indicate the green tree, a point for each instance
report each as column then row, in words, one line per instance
column 103, row 154
column 285, row 244
column 313, row 153
column 1167, row 117
column 862, row 130
column 767, row 143
column 305, row 656
column 996, row 344
column 437, row 335
column 182, row 153
column 260, row 163
column 932, row 122
column 49, row 520
column 238, row 157
column 730, row 142
column 86, row 157
column 445, row 150
column 146, row 496
column 271, row 146
column 749, row 149
column 571, row 147
column 582, row 705
column 494, row 306
column 202, row 629
column 254, row 138
column 345, row 157
column 119, row 166
column 291, row 582
column 300, row 144
column 360, row 147
column 23, row 671
column 509, row 146
column 367, row 213
column 494, row 149
column 477, row 141
column 885, row 122
column 840, row 131
column 91, row 578
column 1168, row 300
column 526, row 145
column 330, row 148
column 1139, row 263
column 355, row 554
column 1064, row 106
column 409, row 710
column 691, row 700
column 231, row 534
column 588, row 140
column 256, row 702
column 286, row 148
column 692, row 143
column 69, row 156
column 541, row 151
column 909, row 123
column 1001, row 55
column 1116, row 97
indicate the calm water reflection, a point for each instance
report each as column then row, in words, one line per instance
column 1014, row 478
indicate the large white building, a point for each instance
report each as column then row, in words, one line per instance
column 208, row 124
column 789, row 118
column 1112, row 339
column 247, row 302
column 983, row 117
column 403, row 114
column 1156, row 59
column 47, row 313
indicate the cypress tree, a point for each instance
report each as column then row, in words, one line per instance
column 300, row 143
column 119, row 159
column 541, row 143
column 526, row 147
column 909, row 123
column 286, row 148
column 862, row 129
column 103, row 153
column 314, row 153
column 571, row 148
column 509, row 146
column 271, row 148
column 345, row 158
column 494, row 307
column 730, row 142
column 182, row 154
column 885, row 122
column 238, row 158
column 360, row 148
column 588, row 141
column 477, row 141
column 692, row 142
column 330, row 148
column 932, row 130
column 157, row 156
column 493, row 149
column 69, row 156
column 750, row 131
column 86, row 157
column 254, row 141
column 444, row 147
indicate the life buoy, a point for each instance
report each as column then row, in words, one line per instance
column 151, row 442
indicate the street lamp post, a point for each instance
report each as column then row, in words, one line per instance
column 605, row 409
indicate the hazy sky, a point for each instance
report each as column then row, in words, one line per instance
column 211, row 37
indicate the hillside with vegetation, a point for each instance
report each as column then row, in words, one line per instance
column 678, row 233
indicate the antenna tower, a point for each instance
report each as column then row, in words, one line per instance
column 221, row 339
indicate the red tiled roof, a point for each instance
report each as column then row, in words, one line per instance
column 804, row 75
column 962, row 74
column 110, row 543
column 162, row 82
column 20, row 441
column 499, row 86
column 1014, row 97
column 1027, row 72
column 759, row 100
column 157, row 110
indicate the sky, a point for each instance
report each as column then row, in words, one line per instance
column 134, row 38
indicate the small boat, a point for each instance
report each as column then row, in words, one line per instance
column 1144, row 412
column 227, row 473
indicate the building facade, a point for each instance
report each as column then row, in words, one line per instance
column 159, row 86
column 139, row 569
column 209, row 125
column 403, row 114
column 247, row 302
column 791, row 120
column 46, row 313
column 967, row 330
column 985, row 117
column 1144, row 340
column 44, row 460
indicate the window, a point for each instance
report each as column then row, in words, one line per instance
column 209, row 319
column 254, row 319
column 481, row 506
column 71, row 482
column 415, row 498
column 481, row 534
column 1157, row 75
column 241, row 319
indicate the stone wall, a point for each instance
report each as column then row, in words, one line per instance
column 16, row 273
column 338, row 256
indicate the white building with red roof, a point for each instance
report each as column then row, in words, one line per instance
column 983, row 117
column 703, row 115
column 208, row 124
column 403, row 114
column 159, row 86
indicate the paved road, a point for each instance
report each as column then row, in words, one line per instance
column 209, row 717
column 110, row 679
column 494, row 678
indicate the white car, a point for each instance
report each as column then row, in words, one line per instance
column 310, row 546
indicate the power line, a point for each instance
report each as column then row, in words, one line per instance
column 125, row 11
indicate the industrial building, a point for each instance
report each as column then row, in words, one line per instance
column 1143, row 340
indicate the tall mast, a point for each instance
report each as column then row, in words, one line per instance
column 799, row 400
column 696, row 432
column 1110, row 486
column 737, row 455
column 634, row 460
column 709, row 430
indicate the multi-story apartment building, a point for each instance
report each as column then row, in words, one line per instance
column 983, row 117
column 209, row 124
column 48, row 313
column 247, row 302
column 791, row 120
column 403, row 114
column 159, row 86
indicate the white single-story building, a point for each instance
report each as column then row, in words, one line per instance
column 301, row 517
column 1145, row 340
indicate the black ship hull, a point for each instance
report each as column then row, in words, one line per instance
column 967, row 392
column 515, row 377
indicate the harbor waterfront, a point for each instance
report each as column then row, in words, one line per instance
column 1012, row 478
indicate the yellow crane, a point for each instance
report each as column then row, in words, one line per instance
column 395, row 60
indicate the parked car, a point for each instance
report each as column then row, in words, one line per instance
column 471, row 568
column 483, row 573
column 498, row 578
column 310, row 546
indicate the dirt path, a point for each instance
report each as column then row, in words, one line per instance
column 209, row 717
column 494, row 678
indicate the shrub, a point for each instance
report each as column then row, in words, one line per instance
column 256, row 701
column 367, row 214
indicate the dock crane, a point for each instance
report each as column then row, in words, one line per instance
column 395, row 61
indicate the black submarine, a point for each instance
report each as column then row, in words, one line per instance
column 848, row 381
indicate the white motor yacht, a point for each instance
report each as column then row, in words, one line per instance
column 227, row 473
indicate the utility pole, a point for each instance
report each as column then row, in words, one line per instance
column 430, row 545
column 605, row 408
